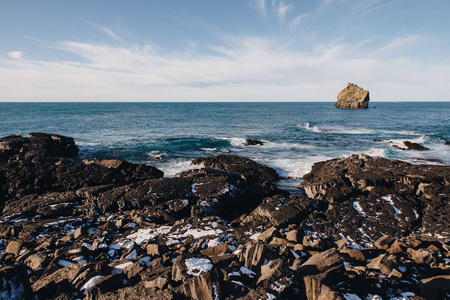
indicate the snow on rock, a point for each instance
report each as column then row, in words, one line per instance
column 196, row 266
column 90, row 283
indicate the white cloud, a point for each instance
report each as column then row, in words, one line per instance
column 15, row 54
column 242, row 69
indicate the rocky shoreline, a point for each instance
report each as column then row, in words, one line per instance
column 367, row 228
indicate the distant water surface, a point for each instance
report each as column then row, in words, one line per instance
column 170, row 135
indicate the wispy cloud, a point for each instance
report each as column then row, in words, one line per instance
column 295, row 22
column 260, row 6
column 105, row 29
column 283, row 9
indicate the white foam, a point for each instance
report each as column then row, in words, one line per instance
column 307, row 126
column 295, row 167
column 156, row 155
column 375, row 152
column 235, row 141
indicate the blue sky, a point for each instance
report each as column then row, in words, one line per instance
column 234, row 50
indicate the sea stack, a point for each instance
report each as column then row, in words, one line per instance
column 352, row 97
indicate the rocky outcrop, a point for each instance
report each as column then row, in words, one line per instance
column 411, row 146
column 379, row 196
column 367, row 228
column 352, row 97
column 237, row 164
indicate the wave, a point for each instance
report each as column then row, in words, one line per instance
column 294, row 168
column 345, row 130
column 307, row 126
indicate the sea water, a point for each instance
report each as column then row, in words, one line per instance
column 295, row 135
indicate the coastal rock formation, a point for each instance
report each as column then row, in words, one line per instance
column 411, row 146
column 367, row 228
column 352, row 97
column 237, row 164
column 380, row 197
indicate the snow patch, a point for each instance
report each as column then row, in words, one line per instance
column 196, row 266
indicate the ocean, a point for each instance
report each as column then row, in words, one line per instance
column 295, row 135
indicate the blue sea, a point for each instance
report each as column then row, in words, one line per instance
column 295, row 135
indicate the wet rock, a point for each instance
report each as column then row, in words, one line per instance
column 411, row 146
column 237, row 164
column 352, row 97
column 252, row 142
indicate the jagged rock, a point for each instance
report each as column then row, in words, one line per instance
column 202, row 288
column 316, row 289
column 292, row 236
column 312, row 242
column 280, row 210
column 252, row 142
column 104, row 285
column 384, row 242
column 385, row 263
column 322, row 262
column 254, row 254
column 411, row 146
column 153, row 249
column 273, row 269
column 137, row 292
column 237, row 164
column 421, row 256
column 377, row 195
column 217, row 250
column 14, row 247
column 267, row 235
column 352, row 97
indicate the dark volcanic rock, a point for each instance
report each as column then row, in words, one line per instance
column 352, row 97
column 108, row 229
column 252, row 142
column 237, row 164
column 378, row 196
column 411, row 146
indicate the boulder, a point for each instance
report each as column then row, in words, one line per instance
column 322, row 262
column 352, row 97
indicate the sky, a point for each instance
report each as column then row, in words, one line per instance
column 232, row 50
